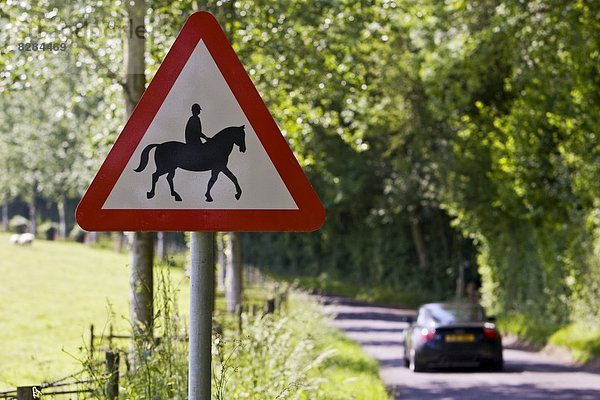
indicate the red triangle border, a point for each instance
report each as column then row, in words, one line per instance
column 310, row 214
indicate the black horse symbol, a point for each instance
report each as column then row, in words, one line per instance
column 210, row 156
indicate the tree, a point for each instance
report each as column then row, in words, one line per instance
column 512, row 179
column 233, row 274
column 142, row 247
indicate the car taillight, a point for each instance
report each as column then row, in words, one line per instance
column 427, row 334
column 490, row 334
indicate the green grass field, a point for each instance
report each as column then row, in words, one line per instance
column 50, row 293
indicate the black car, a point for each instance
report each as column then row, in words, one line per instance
column 447, row 335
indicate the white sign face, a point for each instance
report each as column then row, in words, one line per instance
column 260, row 185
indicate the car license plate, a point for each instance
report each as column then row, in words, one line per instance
column 460, row 337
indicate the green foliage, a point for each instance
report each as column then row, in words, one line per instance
column 48, row 229
column 77, row 234
column 361, row 129
column 161, row 366
column 382, row 293
column 532, row 330
column 486, row 124
column 272, row 359
column 582, row 339
column 507, row 80
column 586, row 280
column 59, row 108
column 18, row 224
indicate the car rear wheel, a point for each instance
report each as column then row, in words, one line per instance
column 413, row 364
column 497, row 366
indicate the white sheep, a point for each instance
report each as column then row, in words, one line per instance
column 25, row 239
column 14, row 239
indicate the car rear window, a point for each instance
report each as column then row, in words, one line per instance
column 442, row 314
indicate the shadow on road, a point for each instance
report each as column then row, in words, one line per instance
column 544, row 367
column 510, row 368
column 392, row 363
column 377, row 330
column 385, row 343
column 505, row 392
column 372, row 315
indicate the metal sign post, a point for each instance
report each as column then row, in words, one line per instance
column 201, row 304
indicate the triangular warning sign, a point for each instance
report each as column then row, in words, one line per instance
column 200, row 152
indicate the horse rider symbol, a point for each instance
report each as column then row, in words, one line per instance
column 193, row 155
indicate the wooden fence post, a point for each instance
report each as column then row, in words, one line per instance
column 238, row 316
column 284, row 300
column 92, row 340
column 112, row 368
column 270, row 306
column 110, row 336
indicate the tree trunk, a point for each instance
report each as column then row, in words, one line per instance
column 460, row 280
column 62, row 216
column 161, row 246
column 33, row 210
column 135, row 83
column 90, row 238
column 222, row 260
column 141, row 282
column 441, row 228
column 417, row 234
column 5, row 215
column 118, row 239
column 142, row 249
column 214, row 272
column 234, row 273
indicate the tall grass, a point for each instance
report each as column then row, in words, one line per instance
column 282, row 356
column 272, row 359
column 155, row 364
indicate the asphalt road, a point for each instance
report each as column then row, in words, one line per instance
column 527, row 375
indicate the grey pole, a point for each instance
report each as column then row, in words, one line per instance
column 201, row 304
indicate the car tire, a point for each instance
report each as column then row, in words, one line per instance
column 404, row 356
column 497, row 366
column 413, row 364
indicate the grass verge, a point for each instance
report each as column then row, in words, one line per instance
column 299, row 356
column 324, row 284
column 348, row 373
column 581, row 339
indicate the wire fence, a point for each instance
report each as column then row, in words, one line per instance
column 73, row 386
